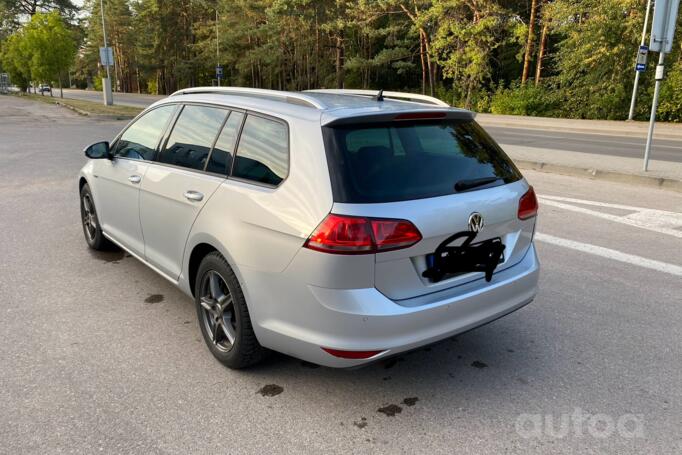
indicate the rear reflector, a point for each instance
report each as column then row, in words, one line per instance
column 528, row 205
column 351, row 354
column 420, row 116
column 341, row 234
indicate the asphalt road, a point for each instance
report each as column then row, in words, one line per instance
column 662, row 149
column 101, row 355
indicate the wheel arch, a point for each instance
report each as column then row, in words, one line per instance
column 81, row 183
column 199, row 252
column 201, row 246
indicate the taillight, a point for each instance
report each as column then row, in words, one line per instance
column 342, row 234
column 528, row 205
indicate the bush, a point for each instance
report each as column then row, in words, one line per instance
column 670, row 104
column 526, row 100
column 152, row 87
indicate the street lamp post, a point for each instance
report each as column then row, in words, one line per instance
column 106, row 82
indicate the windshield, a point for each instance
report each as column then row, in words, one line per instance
column 397, row 161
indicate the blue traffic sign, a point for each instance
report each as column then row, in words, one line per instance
column 642, row 54
column 219, row 71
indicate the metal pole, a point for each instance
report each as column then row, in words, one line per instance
column 104, row 31
column 654, row 107
column 106, row 89
column 634, row 89
column 217, row 44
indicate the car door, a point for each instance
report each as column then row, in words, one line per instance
column 118, row 180
column 189, row 169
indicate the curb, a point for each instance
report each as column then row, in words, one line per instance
column 611, row 176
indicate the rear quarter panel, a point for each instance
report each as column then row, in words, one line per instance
column 262, row 228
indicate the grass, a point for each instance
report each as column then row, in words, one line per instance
column 86, row 107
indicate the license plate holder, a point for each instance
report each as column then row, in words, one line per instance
column 468, row 257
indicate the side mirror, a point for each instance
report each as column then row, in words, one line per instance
column 97, row 151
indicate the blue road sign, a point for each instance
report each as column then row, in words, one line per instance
column 219, row 71
column 640, row 66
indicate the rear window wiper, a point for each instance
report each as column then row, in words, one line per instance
column 469, row 184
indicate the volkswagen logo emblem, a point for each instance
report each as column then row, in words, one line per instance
column 475, row 222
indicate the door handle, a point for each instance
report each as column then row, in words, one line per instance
column 194, row 195
column 135, row 179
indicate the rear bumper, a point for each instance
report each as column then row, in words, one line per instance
column 365, row 320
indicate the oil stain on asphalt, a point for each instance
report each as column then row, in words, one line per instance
column 391, row 410
column 478, row 364
column 270, row 390
column 154, row 298
column 410, row 401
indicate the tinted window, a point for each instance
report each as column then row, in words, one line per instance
column 192, row 136
column 221, row 156
column 402, row 161
column 263, row 151
column 139, row 141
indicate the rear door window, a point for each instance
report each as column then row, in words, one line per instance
column 192, row 137
column 387, row 162
column 263, row 151
column 221, row 156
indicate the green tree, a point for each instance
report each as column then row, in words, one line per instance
column 14, row 61
column 49, row 47
column 595, row 55
column 466, row 36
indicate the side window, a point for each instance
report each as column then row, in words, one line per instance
column 221, row 156
column 263, row 151
column 139, row 141
column 192, row 136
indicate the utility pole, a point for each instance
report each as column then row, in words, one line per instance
column 642, row 46
column 106, row 82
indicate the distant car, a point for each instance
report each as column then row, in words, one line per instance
column 340, row 227
column 45, row 88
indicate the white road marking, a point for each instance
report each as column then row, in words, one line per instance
column 611, row 254
column 660, row 221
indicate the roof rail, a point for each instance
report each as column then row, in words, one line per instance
column 287, row 97
column 394, row 95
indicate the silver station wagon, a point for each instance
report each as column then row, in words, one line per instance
column 336, row 226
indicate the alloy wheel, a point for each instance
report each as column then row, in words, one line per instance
column 89, row 218
column 218, row 311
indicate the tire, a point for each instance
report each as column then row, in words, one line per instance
column 223, row 315
column 90, row 222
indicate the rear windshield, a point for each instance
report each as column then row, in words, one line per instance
column 387, row 162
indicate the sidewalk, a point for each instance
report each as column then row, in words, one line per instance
column 661, row 174
column 609, row 127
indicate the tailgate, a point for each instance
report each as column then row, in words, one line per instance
column 398, row 274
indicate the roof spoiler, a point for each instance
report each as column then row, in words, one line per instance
column 421, row 114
